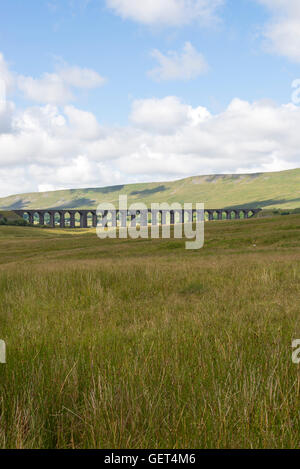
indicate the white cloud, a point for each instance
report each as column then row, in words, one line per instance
column 186, row 65
column 51, row 148
column 55, row 88
column 6, row 115
column 50, row 88
column 83, row 123
column 282, row 32
column 166, row 12
column 49, row 187
column 82, row 171
column 81, row 77
column 165, row 116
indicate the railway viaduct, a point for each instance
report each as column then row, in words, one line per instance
column 62, row 218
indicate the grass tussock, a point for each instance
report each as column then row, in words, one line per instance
column 135, row 344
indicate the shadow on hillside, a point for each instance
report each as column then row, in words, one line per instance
column 103, row 190
column 150, row 191
column 263, row 203
column 231, row 177
column 76, row 203
column 19, row 205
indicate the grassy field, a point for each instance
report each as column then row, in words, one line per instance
column 279, row 190
column 142, row 344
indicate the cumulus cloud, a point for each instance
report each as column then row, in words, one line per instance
column 81, row 77
column 165, row 116
column 49, row 147
column 282, row 32
column 82, row 123
column 6, row 114
column 50, row 88
column 184, row 65
column 56, row 88
column 166, row 12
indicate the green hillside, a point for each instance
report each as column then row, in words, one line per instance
column 278, row 190
column 9, row 216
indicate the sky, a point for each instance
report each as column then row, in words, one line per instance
column 106, row 92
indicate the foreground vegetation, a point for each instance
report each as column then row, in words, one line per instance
column 142, row 344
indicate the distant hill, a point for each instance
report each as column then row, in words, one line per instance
column 278, row 190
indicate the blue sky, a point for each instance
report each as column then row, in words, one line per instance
column 36, row 34
column 102, row 92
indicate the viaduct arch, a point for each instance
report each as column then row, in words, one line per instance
column 57, row 218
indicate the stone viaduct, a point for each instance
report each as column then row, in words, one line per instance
column 63, row 218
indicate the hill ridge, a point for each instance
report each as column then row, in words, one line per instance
column 271, row 190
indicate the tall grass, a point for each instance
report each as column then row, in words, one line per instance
column 142, row 344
